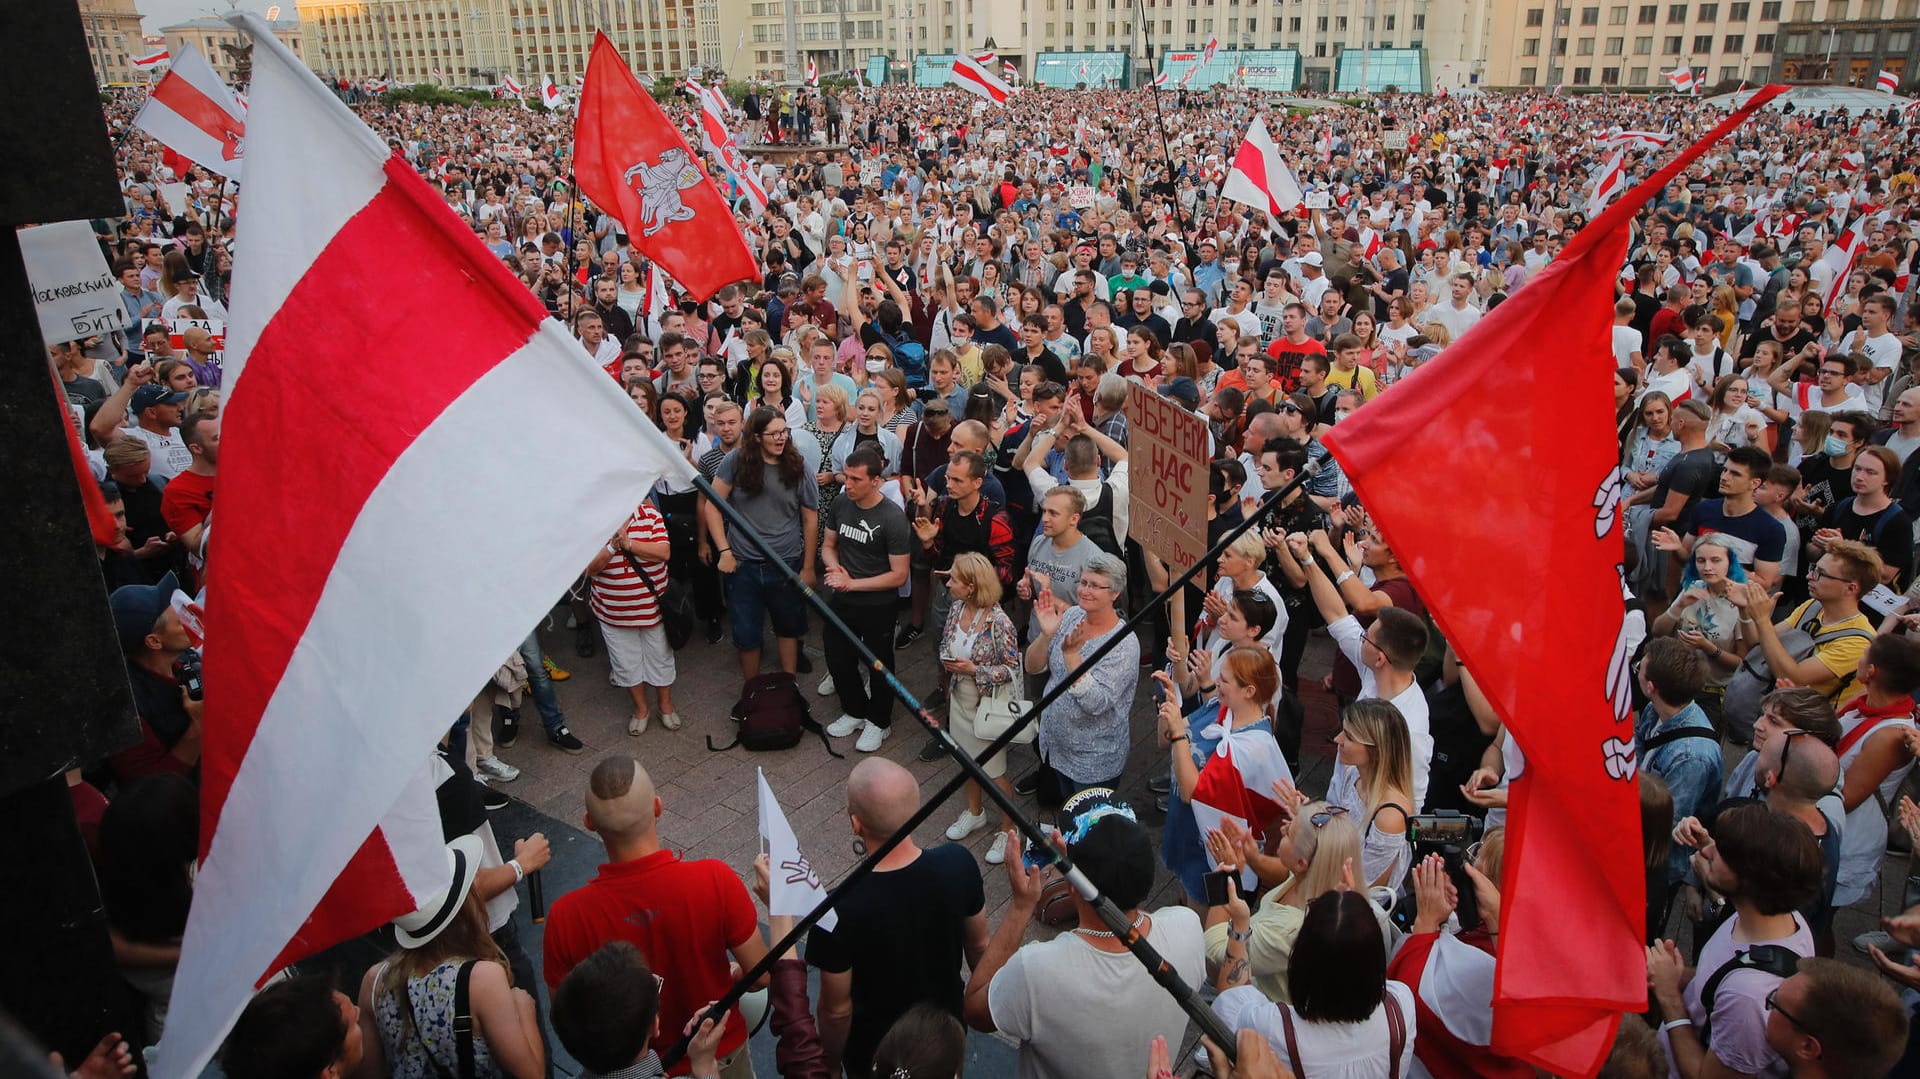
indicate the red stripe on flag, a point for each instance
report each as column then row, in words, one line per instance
column 194, row 106
column 1250, row 160
column 407, row 363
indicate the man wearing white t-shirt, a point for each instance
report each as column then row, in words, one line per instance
column 1666, row 371
column 1626, row 340
column 156, row 411
column 1239, row 312
column 1457, row 314
column 1877, row 343
column 1834, row 392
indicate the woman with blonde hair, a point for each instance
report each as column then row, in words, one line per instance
column 1377, row 788
column 407, row 1002
column 1726, row 304
column 981, row 650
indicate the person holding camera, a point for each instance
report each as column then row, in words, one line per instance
column 1460, row 962
column 164, row 669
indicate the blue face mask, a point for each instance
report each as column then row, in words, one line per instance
column 1834, row 446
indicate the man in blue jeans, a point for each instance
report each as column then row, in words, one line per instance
column 766, row 480
column 506, row 721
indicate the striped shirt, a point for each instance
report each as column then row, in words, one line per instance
column 618, row 595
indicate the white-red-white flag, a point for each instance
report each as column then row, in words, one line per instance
column 1608, row 183
column 1887, row 82
column 1237, row 784
column 1159, row 80
column 316, row 824
column 437, row 76
column 1682, row 80
column 513, row 87
column 1259, row 178
column 1187, row 76
column 971, row 76
column 151, row 61
column 1650, row 141
column 1009, row 73
column 551, row 95
column 813, row 72
column 193, row 113
column 1207, row 54
column 718, row 141
column 1841, row 254
column 986, row 59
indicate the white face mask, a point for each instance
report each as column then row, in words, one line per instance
column 874, row 367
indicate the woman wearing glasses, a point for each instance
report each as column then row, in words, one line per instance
column 1083, row 735
column 1378, row 789
column 1220, row 751
column 1703, row 616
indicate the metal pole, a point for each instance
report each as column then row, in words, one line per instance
column 1166, row 149
column 970, row 769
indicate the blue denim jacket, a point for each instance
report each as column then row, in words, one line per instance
column 1690, row 767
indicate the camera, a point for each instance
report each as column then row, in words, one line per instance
column 1447, row 833
column 186, row 671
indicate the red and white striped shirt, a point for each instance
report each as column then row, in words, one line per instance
column 618, row 595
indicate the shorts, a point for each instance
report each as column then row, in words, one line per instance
column 757, row 591
column 963, row 704
column 638, row 656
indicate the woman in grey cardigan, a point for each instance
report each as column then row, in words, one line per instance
column 1084, row 734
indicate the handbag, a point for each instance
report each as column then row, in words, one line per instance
column 1000, row 708
column 675, row 604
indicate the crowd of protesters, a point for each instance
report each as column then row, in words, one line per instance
column 920, row 408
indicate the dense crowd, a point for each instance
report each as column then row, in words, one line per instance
column 920, row 407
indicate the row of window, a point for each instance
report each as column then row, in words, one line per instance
column 1639, row 76
column 1898, row 41
column 1769, row 11
column 1672, row 45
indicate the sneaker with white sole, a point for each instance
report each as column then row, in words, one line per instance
column 845, row 725
column 1875, row 938
column 825, row 688
column 968, row 824
column 997, row 853
column 870, row 738
column 495, row 768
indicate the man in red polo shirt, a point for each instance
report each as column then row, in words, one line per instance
column 1292, row 344
column 188, row 499
column 685, row 917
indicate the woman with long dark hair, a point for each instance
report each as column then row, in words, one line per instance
column 766, row 480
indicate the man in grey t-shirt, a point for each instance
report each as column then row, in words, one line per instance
column 866, row 554
column 1060, row 551
column 781, row 502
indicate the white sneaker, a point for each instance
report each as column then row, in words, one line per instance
column 845, row 725
column 825, row 688
column 968, row 824
column 870, row 738
column 998, row 852
column 496, row 768
column 1876, row 938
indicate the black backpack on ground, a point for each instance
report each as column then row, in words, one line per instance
column 773, row 715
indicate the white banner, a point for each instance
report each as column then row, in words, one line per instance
column 74, row 292
column 793, row 888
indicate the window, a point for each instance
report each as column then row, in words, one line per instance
column 1617, row 16
column 1899, row 41
column 1729, row 72
column 1589, row 16
column 1609, row 76
column 1389, row 24
column 1319, row 24
column 1293, row 24
column 1863, row 41
column 1193, row 26
column 1340, row 23
column 1770, row 10
column 1836, row 10
column 1703, row 43
column 1582, row 76
column 1529, row 76
column 1734, row 43
column 1535, row 17
column 1738, row 12
column 1585, row 48
column 1320, row 48
column 1802, row 10
column 1616, row 46
column 1639, row 77
column 1674, row 44
column 1709, row 12
column 1419, row 23
column 1560, row 47
column 1676, row 13
column 1648, row 13
column 1530, row 47
column 1763, row 43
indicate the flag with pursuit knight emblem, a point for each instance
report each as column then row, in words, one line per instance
column 632, row 162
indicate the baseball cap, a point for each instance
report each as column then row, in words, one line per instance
column 136, row 607
column 1183, row 390
column 153, row 394
column 1311, row 258
column 1108, row 844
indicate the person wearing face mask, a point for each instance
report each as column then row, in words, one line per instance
column 1827, row 477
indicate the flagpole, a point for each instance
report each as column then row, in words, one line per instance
column 971, row 770
column 1179, row 216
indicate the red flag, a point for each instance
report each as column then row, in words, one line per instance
column 100, row 522
column 631, row 161
column 1547, row 477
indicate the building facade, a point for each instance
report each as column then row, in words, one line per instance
column 1854, row 52
column 209, row 35
column 475, row 42
column 113, row 40
column 1440, row 42
column 1613, row 46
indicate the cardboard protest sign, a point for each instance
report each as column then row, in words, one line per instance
column 74, row 293
column 1167, row 459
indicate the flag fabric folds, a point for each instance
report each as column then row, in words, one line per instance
column 192, row 113
column 633, row 163
column 1545, row 465
column 1008, row 73
column 1607, row 185
column 1207, row 54
column 1887, row 82
column 1683, row 80
column 513, row 87
column 331, row 675
column 1237, row 783
column 1159, row 80
column 1259, row 178
column 793, row 888
column 550, row 95
column 152, row 60
column 969, row 75
column 718, row 141
column 813, row 72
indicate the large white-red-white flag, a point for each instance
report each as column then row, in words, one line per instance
column 317, row 823
column 1213, row 47
column 550, row 95
column 1159, row 80
column 192, row 112
column 1683, row 80
column 1009, row 73
column 1259, row 178
column 1887, row 82
column 151, row 60
column 1650, row 141
column 512, row 86
column 718, row 141
column 971, row 76
column 1237, row 784
column 1607, row 185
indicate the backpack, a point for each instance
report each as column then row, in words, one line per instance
column 1775, row 959
column 1097, row 523
column 1879, row 522
column 909, row 356
column 1755, row 679
column 773, row 715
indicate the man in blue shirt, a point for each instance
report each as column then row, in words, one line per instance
column 1758, row 539
column 1208, row 275
column 1671, row 675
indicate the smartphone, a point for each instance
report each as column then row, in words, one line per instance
column 1033, row 857
column 1217, row 883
